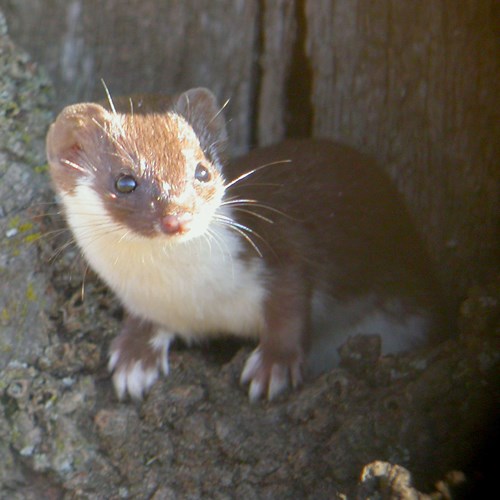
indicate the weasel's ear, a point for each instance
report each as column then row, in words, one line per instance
column 70, row 139
column 200, row 109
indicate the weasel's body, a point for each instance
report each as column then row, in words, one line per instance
column 297, row 239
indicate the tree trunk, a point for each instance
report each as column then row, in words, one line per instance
column 140, row 46
column 415, row 84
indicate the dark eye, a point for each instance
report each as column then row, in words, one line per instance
column 125, row 184
column 201, row 173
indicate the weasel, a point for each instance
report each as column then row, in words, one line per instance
column 283, row 244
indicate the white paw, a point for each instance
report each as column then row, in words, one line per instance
column 269, row 379
column 134, row 380
column 135, row 372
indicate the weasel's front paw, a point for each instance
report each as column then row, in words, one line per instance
column 136, row 365
column 268, row 377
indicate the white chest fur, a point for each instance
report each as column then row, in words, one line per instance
column 192, row 288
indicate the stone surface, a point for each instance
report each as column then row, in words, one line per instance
column 25, row 97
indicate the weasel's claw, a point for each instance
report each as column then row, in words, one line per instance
column 134, row 372
column 269, row 379
column 136, row 380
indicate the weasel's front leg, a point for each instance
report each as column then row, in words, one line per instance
column 137, row 355
column 278, row 361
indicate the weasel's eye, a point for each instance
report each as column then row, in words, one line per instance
column 125, row 184
column 201, row 173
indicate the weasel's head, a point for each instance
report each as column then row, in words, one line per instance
column 137, row 174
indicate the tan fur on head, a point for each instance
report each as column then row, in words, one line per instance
column 68, row 140
column 81, row 135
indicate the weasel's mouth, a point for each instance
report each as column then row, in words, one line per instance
column 176, row 224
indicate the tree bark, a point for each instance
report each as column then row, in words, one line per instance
column 415, row 84
column 278, row 36
column 141, row 46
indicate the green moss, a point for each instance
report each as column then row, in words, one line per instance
column 15, row 435
column 30, row 238
column 5, row 349
column 30, row 293
column 11, row 109
column 27, row 138
column 14, row 222
column 22, row 227
column 41, row 169
column 5, row 315
column 26, row 226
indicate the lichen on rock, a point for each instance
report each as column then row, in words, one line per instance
column 25, row 100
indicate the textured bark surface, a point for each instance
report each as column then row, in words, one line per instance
column 415, row 84
column 141, row 46
column 277, row 38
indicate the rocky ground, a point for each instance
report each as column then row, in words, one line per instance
column 409, row 427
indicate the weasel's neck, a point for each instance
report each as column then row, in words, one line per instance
column 194, row 287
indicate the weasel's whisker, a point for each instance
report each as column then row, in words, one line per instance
column 259, row 184
column 255, row 170
column 82, row 290
column 253, row 203
column 255, row 214
column 222, row 245
column 242, row 230
column 53, row 234
column 250, row 241
column 74, row 165
column 208, row 238
column 108, row 96
column 219, row 112
column 58, row 213
column 58, row 251
column 124, row 236
column 115, row 141
column 220, row 242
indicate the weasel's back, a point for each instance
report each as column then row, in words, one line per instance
column 342, row 214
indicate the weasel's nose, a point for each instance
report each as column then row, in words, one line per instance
column 176, row 224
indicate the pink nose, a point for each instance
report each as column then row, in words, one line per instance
column 171, row 224
column 174, row 224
